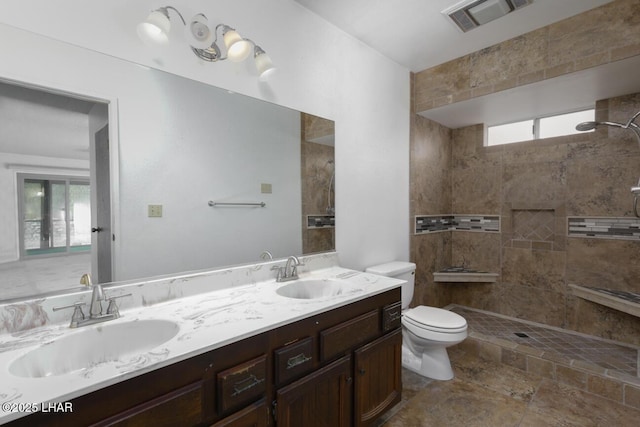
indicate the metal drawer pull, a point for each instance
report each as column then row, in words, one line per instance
column 297, row 360
column 394, row 315
column 246, row 384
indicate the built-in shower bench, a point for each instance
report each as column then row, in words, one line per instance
column 627, row 302
column 463, row 274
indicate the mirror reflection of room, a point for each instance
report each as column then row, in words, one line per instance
column 55, row 157
column 45, row 147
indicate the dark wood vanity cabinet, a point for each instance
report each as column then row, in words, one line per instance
column 338, row 368
column 372, row 384
column 377, row 377
column 322, row 398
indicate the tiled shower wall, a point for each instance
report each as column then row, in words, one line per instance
column 533, row 186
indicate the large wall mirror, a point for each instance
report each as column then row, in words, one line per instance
column 205, row 178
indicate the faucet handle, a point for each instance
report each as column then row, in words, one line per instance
column 113, row 307
column 75, row 305
column 279, row 269
column 78, row 314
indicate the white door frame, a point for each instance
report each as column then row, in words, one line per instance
column 114, row 144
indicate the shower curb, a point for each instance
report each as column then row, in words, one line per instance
column 612, row 385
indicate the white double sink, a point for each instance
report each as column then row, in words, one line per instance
column 93, row 345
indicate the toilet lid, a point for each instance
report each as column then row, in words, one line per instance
column 432, row 317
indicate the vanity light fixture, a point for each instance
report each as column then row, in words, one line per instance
column 203, row 40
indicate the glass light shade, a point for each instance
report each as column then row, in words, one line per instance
column 264, row 65
column 155, row 28
column 198, row 33
column 238, row 49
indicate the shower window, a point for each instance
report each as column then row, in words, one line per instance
column 55, row 215
column 538, row 128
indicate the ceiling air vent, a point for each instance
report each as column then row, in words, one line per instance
column 470, row 14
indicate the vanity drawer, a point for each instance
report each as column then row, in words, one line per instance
column 340, row 338
column 180, row 407
column 293, row 360
column 242, row 384
column 391, row 316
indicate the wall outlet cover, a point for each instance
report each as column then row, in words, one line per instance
column 155, row 211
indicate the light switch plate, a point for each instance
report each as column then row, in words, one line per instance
column 155, row 211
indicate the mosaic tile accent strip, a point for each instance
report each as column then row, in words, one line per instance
column 604, row 228
column 435, row 223
column 321, row 221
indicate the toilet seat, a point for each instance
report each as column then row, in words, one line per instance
column 435, row 320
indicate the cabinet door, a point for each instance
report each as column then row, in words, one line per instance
column 321, row 399
column 378, row 377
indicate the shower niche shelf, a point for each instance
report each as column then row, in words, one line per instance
column 461, row 274
column 626, row 302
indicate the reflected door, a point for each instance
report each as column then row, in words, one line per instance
column 103, row 235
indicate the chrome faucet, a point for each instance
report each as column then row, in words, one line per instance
column 289, row 271
column 95, row 309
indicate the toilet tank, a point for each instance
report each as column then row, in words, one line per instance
column 398, row 270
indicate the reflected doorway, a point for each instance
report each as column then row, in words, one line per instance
column 54, row 161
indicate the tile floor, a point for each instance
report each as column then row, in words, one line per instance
column 41, row 275
column 605, row 353
column 489, row 394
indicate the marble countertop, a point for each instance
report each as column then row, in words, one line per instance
column 207, row 321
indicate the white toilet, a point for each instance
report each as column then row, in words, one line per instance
column 426, row 331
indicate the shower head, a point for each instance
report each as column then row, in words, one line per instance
column 633, row 127
column 585, row 126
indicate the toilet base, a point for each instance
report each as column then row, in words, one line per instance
column 433, row 364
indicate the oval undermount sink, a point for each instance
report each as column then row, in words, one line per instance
column 316, row 288
column 92, row 346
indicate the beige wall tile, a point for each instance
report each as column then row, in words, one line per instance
column 533, row 268
column 598, row 36
column 544, row 368
column 572, row 377
column 632, row 396
column 605, row 387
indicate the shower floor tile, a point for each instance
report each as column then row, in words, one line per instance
column 604, row 353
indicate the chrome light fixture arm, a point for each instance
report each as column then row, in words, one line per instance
column 213, row 52
column 165, row 10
